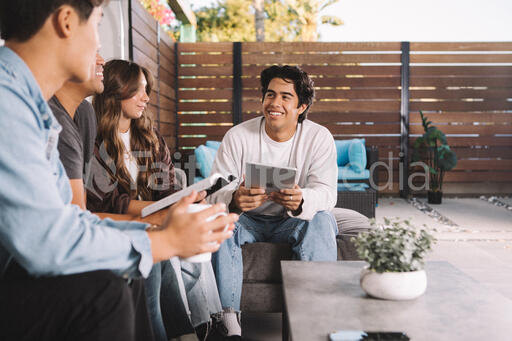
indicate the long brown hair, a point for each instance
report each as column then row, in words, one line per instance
column 121, row 81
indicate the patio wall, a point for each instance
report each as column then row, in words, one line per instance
column 151, row 47
column 464, row 88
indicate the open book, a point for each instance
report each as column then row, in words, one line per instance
column 211, row 185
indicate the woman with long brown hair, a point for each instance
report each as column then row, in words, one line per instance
column 134, row 154
column 132, row 168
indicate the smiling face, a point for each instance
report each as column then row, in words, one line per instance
column 83, row 46
column 133, row 107
column 95, row 84
column 281, row 109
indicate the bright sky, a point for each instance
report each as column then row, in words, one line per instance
column 421, row 20
column 417, row 20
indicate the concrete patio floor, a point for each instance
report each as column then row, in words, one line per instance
column 480, row 245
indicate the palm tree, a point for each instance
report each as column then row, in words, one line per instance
column 307, row 12
column 259, row 19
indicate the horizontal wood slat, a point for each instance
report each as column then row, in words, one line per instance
column 499, row 82
column 482, row 130
column 319, row 47
column 140, row 58
column 299, row 58
column 345, row 94
column 167, row 91
column 167, row 129
column 455, row 141
column 337, row 71
column 328, row 117
column 461, row 58
column 167, row 53
column 503, row 152
column 205, row 106
column 364, row 129
column 376, row 106
column 324, row 82
column 205, row 118
column 206, row 71
column 463, row 117
column 206, row 47
column 167, row 103
column 206, row 94
column 167, row 116
column 207, row 130
column 463, row 93
column 166, row 76
column 206, row 83
column 492, row 176
column 436, row 71
column 196, row 141
column 461, row 106
column 485, row 165
column 461, row 46
column 206, row 59
column 168, row 66
column 390, row 141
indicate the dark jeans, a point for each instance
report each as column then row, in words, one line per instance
column 168, row 314
column 96, row 305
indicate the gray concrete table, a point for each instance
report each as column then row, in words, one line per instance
column 321, row 297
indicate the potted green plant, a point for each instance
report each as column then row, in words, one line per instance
column 432, row 149
column 394, row 253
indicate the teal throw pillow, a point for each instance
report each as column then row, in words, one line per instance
column 213, row 144
column 357, row 155
column 342, row 151
column 204, row 158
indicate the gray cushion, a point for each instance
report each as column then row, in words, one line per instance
column 262, row 297
column 346, row 249
column 262, row 260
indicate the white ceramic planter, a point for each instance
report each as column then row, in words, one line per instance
column 393, row 285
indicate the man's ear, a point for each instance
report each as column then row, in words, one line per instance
column 65, row 20
column 302, row 108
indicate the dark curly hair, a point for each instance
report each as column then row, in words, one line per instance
column 303, row 85
column 21, row 19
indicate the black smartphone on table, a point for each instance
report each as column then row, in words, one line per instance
column 360, row 335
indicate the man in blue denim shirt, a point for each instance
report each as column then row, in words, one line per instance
column 53, row 255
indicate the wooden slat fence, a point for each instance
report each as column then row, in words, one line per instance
column 464, row 88
column 154, row 49
column 205, row 92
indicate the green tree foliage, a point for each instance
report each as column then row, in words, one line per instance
column 228, row 20
column 285, row 20
column 307, row 12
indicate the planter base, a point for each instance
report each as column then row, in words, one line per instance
column 434, row 197
column 393, row 285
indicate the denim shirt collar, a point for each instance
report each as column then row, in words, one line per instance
column 22, row 76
